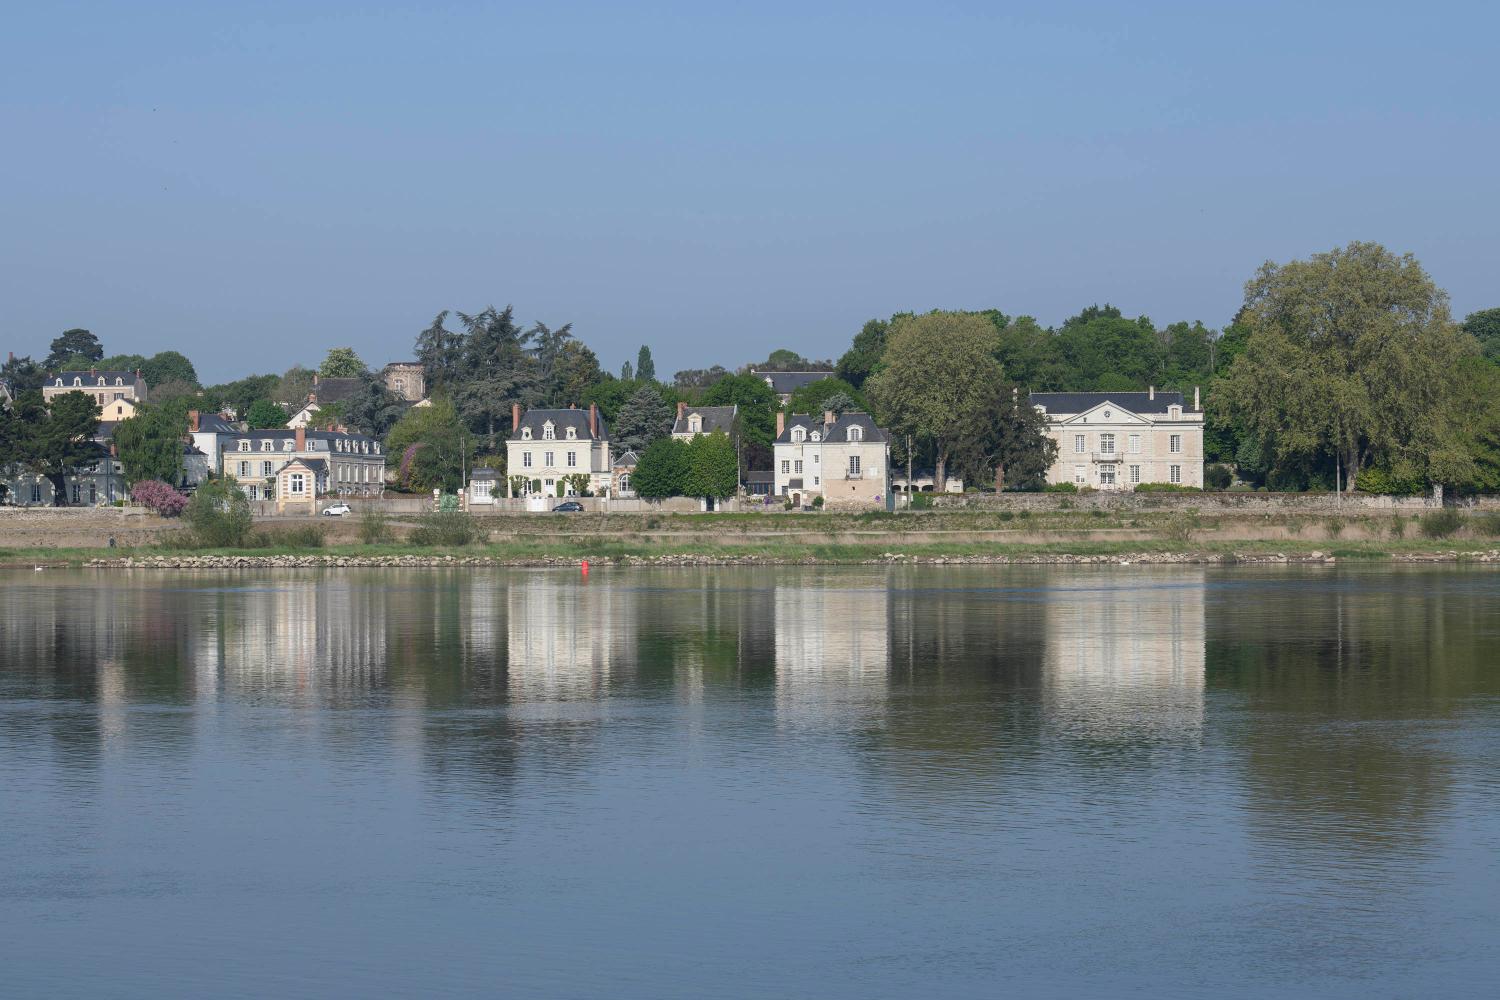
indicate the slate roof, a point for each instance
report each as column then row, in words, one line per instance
column 785, row 383
column 1082, row 402
column 629, row 460
column 838, row 431
column 91, row 379
column 334, row 390
column 760, row 476
column 561, row 421
column 314, row 464
column 213, row 423
column 483, row 472
column 715, row 418
column 285, row 433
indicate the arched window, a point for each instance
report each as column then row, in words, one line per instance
column 101, row 380
column 817, row 435
column 547, row 432
column 695, row 423
column 77, row 380
column 856, row 434
column 525, row 433
column 59, row 383
column 119, row 380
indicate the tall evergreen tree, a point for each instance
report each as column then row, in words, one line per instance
column 644, row 418
column 74, row 345
column 645, row 368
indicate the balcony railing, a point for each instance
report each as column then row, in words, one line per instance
column 854, row 475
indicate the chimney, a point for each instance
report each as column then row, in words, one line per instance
column 681, row 409
column 193, row 421
column 1197, row 404
column 114, row 450
column 594, row 420
column 315, row 378
column 12, row 355
column 1151, row 393
column 572, row 406
column 515, row 416
column 780, row 422
column 828, row 418
column 93, row 370
column 301, row 438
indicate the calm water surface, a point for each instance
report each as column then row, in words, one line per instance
column 751, row 783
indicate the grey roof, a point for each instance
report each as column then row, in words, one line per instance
column 315, row 464
column 715, row 418
column 836, row 431
column 561, row 421
column 333, row 390
column 213, row 423
column 93, row 377
column 1082, row 402
column 629, row 460
column 760, row 476
column 785, row 383
column 483, row 472
column 282, row 433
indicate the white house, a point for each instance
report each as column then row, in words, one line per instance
column 695, row 420
column 267, row 463
column 845, row 459
column 104, row 386
column 547, row 448
column 1119, row 440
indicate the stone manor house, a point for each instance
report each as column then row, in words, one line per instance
column 1119, row 440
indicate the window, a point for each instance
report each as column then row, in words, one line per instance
column 572, row 433
column 1135, row 444
column 1175, row 444
column 77, row 380
column 547, row 432
column 525, row 433
column 1106, row 475
column 695, row 423
column 1107, row 443
column 526, row 460
column 1080, row 474
column 401, row 385
column 298, row 484
column 1135, row 473
column 797, row 466
column 856, row 434
column 798, row 434
column 266, row 470
column 815, row 480
column 119, row 395
column 1078, row 444
column 244, row 446
column 93, row 493
column 244, row 470
column 288, row 444
column 572, row 459
column 786, row 466
column 1176, row 471
column 817, row 436
column 77, row 495
column 549, row 482
column 853, row 466
column 624, row 482
column 36, row 488
column 547, row 459
column 267, row 445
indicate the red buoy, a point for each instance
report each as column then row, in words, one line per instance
column 585, row 567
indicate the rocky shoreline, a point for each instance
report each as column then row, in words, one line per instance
column 887, row 558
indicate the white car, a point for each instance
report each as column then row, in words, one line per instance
column 337, row 510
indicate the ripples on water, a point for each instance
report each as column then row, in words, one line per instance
column 799, row 782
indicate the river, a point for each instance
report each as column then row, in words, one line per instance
column 772, row 782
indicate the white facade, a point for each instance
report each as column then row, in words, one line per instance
column 1118, row 441
column 845, row 460
column 547, row 447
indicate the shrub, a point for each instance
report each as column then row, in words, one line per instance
column 1440, row 523
column 1165, row 488
column 1217, row 477
column 817, row 503
column 1486, row 524
column 157, row 496
column 921, row 501
column 447, row 527
column 1006, row 515
column 1334, row 526
column 1398, row 527
column 1060, row 488
column 374, row 528
column 219, row 514
column 301, row 536
column 1391, row 482
column 1180, row 527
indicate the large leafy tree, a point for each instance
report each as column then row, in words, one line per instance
column 861, row 359
column 645, row 367
column 662, row 470
column 644, row 418
column 758, row 405
column 498, row 370
column 1350, row 353
column 52, row 441
column 939, row 381
column 168, row 366
column 573, row 373
column 241, row 394
column 373, row 409
column 698, row 378
column 21, row 375
column 713, row 468
column 73, row 345
column 440, row 351
column 430, row 447
column 1484, row 326
column 815, row 397
column 341, row 362
column 265, row 415
column 1007, row 444
column 150, row 444
column 294, row 386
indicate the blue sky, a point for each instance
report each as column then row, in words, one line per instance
column 255, row 184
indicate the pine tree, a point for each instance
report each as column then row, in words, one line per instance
column 645, row 368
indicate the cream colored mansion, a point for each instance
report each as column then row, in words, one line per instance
column 1119, row 440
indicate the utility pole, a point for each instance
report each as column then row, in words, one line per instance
column 908, row 472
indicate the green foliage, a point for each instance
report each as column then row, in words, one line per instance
column 578, row 482
column 341, row 362
column 150, row 444
column 921, row 501
column 662, row 470
column 73, row 344
column 1217, row 477
column 373, row 409
column 863, row 357
column 219, row 514
column 712, row 467
column 1484, row 326
column 294, row 386
column 1440, row 523
column 757, row 403
column 1060, row 488
column 266, row 415
column 445, row 528
column 50, row 441
column 1165, row 488
column 240, row 394
column 1398, row 528
column 1487, row 524
column 430, row 447
column 518, row 485
column 830, row 393
column 167, row 367
column 644, row 418
column 373, row 526
column 645, row 368
column 817, row 503
column 22, row 375
column 302, row 536
column 1402, row 481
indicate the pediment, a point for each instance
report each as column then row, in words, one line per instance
column 1117, row 414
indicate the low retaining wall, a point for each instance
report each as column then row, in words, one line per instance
column 78, row 527
column 1206, row 503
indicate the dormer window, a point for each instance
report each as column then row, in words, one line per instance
column 572, row 433
column 101, row 380
column 77, row 380
column 798, row 434
column 856, row 434
column 119, row 380
column 376, row 447
column 547, row 431
column 288, row 445
column 59, row 383
column 817, row 435
column 1174, row 413
column 525, row 433
column 244, row 446
column 266, row 445
column 695, row 423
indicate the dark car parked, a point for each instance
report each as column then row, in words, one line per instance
column 568, row 507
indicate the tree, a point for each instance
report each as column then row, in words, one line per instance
column 123, row 363
column 1008, row 444
column 294, row 386
column 54, row 440
column 168, row 366
column 341, row 362
column 73, row 344
column 266, row 415
column 578, row 482
column 240, row 394
column 150, row 444
column 645, row 368
column 861, row 359
column 815, row 397
column 644, row 418
column 159, row 497
column 498, row 370
column 219, row 514
column 1484, row 326
column 174, row 390
column 698, row 378
column 574, row 373
column 22, row 375
column 430, row 447
column 757, row 403
column 939, row 381
column 713, row 469
column 662, row 470
column 1351, row 353
column 440, row 352
column 373, row 409
column 627, row 373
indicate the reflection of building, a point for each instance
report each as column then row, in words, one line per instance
column 832, row 642
column 1124, row 656
column 565, row 636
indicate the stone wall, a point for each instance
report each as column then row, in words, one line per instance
column 1207, row 503
column 79, row 527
